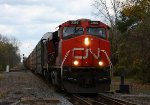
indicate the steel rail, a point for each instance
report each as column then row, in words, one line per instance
column 113, row 101
column 86, row 101
column 100, row 100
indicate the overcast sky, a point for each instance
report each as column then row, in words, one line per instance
column 28, row 20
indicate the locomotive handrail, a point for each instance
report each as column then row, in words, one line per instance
column 110, row 63
column 66, row 55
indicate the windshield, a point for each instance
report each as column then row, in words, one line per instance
column 69, row 31
column 96, row 31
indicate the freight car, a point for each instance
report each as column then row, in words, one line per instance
column 75, row 57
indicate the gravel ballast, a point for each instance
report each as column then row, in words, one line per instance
column 26, row 88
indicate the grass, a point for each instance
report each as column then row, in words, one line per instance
column 135, row 86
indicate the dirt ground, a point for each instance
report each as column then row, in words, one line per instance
column 135, row 88
column 25, row 88
column 139, row 93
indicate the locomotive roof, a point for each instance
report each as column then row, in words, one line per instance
column 86, row 20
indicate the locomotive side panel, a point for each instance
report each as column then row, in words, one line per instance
column 39, row 57
column 53, row 44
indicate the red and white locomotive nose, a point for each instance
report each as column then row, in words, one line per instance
column 86, row 51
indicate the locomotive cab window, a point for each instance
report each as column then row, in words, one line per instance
column 72, row 31
column 97, row 31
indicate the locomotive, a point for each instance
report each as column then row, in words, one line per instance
column 75, row 58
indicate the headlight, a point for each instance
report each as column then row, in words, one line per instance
column 86, row 41
column 100, row 63
column 75, row 62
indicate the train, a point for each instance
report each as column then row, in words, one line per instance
column 75, row 57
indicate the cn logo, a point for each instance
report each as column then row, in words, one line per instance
column 87, row 50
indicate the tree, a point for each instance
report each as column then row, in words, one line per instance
column 134, row 51
column 142, row 35
column 9, row 52
column 133, row 13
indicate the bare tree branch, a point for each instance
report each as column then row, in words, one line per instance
column 104, row 9
column 100, row 11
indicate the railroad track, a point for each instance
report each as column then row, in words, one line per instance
column 113, row 101
column 100, row 100
column 79, row 100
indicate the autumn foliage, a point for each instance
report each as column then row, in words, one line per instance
column 9, row 52
column 134, row 48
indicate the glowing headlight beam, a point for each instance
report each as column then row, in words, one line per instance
column 75, row 62
column 100, row 63
column 86, row 41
